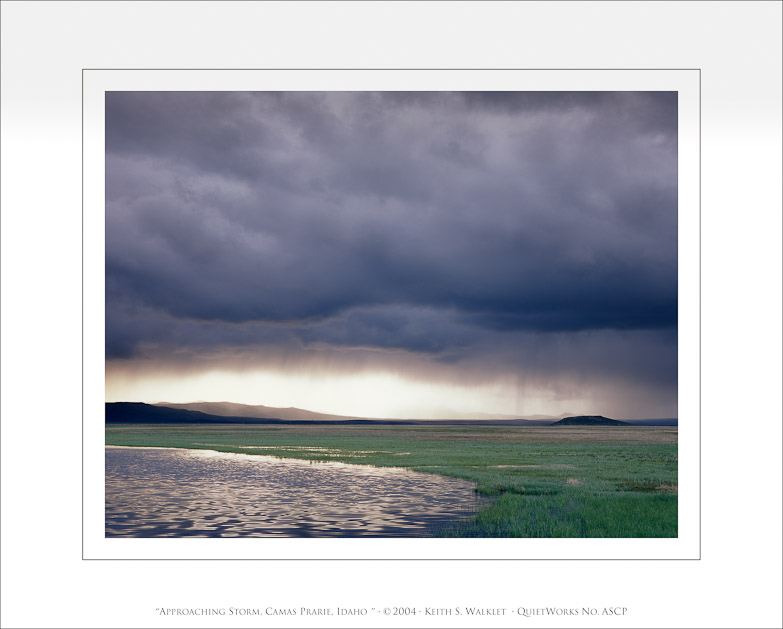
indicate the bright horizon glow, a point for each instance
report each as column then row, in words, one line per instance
column 368, row 394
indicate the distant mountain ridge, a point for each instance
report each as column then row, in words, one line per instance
column 141, row 413
column 233, row 409
column 258, row 411
column 232, row 413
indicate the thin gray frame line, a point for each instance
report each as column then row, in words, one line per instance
column 397, row 558
column 700, row 334
column 393, row 69
column 83, row 315
column 699, row 70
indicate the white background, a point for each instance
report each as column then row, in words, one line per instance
column 737, row 583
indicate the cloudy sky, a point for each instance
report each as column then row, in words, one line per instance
column 397, row 254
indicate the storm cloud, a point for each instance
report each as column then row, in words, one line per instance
column 462, row 229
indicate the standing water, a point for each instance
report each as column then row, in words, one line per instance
column 169, row 492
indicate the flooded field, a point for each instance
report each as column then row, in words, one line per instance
column 169, row 492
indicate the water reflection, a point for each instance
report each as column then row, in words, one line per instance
column 166, row 492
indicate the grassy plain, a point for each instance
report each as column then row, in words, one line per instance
column 543, row 481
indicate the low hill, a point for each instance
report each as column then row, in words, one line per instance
column 589, row 420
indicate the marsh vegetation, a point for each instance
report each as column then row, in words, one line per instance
column 545, row 481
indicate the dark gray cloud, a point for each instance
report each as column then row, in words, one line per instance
column 431, row 222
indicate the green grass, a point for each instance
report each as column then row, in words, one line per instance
column 541, row 481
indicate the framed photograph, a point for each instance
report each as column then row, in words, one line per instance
column 381, row 314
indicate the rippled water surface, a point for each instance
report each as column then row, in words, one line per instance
column 167, row 492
